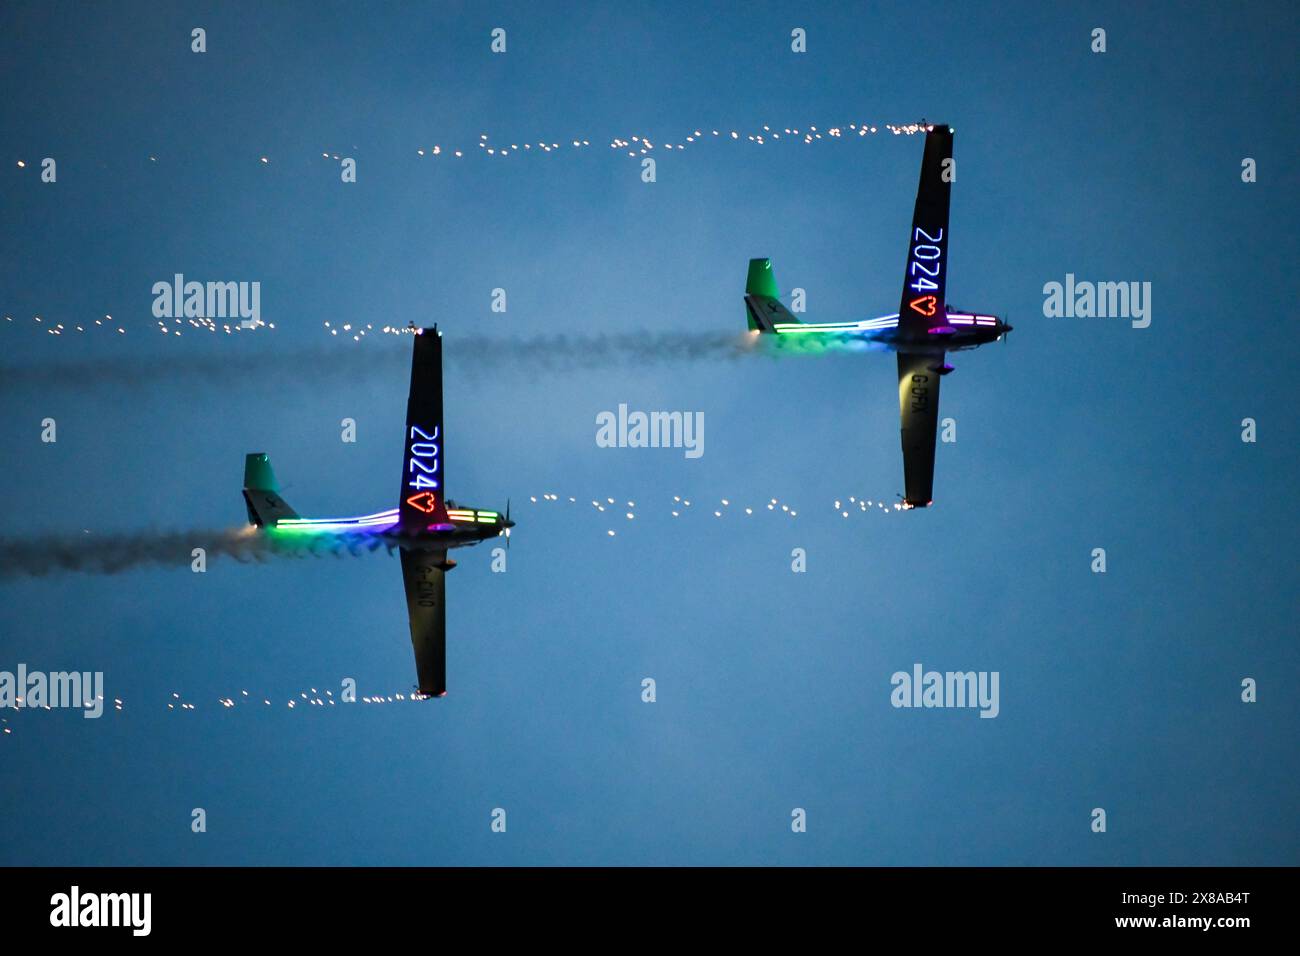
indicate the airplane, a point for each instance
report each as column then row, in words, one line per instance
column 923, row 329
column 422, row 528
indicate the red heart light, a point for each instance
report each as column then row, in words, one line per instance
column 926, row 305
column 425, row 501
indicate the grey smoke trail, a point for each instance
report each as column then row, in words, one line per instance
column 386, row 358
column 117, row 552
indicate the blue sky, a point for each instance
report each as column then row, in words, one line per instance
column 1118, row 691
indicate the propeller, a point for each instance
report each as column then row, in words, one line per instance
column 507, row 524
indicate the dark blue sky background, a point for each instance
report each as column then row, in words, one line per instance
column 1118, row 691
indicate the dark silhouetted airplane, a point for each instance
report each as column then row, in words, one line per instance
column 924, row 328
column 422, row 528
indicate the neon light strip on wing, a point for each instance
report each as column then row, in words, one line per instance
column 873, row 325
column 346, row 527
column 363, row 519
column 482, row 517
column 785, row 328
column 382, row 519
column 319, row 523
column 867, row 325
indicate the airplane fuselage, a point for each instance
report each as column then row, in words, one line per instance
column 465, row 527
column 951, row 331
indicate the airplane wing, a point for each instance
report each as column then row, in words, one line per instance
column 426, row 605
column 421, row 502
column 918, row 404
column 927, row 245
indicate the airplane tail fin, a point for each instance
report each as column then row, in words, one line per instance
column 262, row 492
column 763, row 307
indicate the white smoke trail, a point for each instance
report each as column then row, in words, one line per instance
column 538, row 355
column 113, row 553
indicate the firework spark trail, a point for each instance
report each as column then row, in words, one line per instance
column 113, row 553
